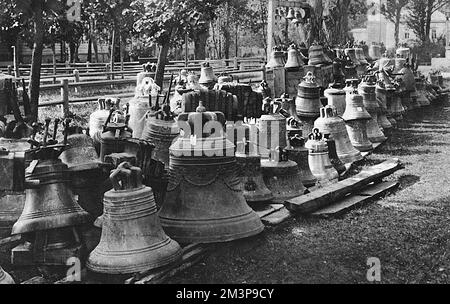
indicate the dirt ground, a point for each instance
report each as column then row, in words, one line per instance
column 409, row 231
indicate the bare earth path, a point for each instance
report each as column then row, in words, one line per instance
column 408, row 231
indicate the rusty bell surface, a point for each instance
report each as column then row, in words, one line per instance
column 204, row 201
column 49, row 203
column 319, row 160
column 330, row 123
column 356, row 118
column 282, row 176
column 249, row 163
column 132, row 238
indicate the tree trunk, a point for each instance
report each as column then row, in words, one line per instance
column 200, row 43
column 236, row 40
column 36, row 60
column 94, row 39
column 430, row 4
column 162, row 57
column 113, row 48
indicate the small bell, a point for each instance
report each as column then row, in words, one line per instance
column 282, row 176
column 308, row 97
column 299, row 154
column 132, row 237
column 319, row 160
column 403, row 52
column 277, row 59
column 316, row 55
column 272, row 130
column 356, row 118
column 351, row 53
column 207, row 77
column 291, row 14
column 294, row 61
column 367, row 91
column 375, row 51
column 359, row 52
column 249, row 163
column 113, row 138
column 336, row 99
column 330, row 123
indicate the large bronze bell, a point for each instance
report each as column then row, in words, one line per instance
column 5, row 278
column 316, row 55
column 282, row 176
column 375, row 51
column 319, row 160
column 330, row 123
column 382, row 96
column 276, row 60
column 299, row 154
column 49, row 203
column 272, row 130
column 356, row 118
column 207, row 77
column 308, row 97
column 367, row 91
column 249, row 163
column 132, row 237
column 204, row 201
column 336, row 99
column 294, row 61
column 161, row 130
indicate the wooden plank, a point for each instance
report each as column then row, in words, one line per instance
column 351, row 202
column 321, row 198
column 277, row 218
column 36, row 281
column 379, row 189
column 343, row 206
column 11, row 241
column 192, row 254
column 269, row 210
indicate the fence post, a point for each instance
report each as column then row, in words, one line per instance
column 10, row 70
column 76, row 74
column 65, row 97
column 236, row 63
column 263, row 69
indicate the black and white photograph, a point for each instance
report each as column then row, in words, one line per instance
column 224, row 150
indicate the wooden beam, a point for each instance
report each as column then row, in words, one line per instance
column 326, row 196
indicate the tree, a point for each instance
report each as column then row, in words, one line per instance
column 392, row 10
column 35, row 10
column 419, row 17
column 165, row 23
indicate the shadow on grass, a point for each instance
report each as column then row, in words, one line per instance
column 408, row 180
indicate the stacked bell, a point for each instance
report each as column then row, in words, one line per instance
column 331, row 123
column 132, row 238
column 116, row 132
column 356, row 118
column 86, row 171
column 207, row 77
column 336, row 98
column 316, row 55
column 277, row 59
column 272, row 130
column 375, row 51
column 367, row 91
column 204, row 201
column 249, row 163
column 161, row 130
column 294, row 60
column 319, row 160
column 308, row 102
column 282, row 176
column 5, row 278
